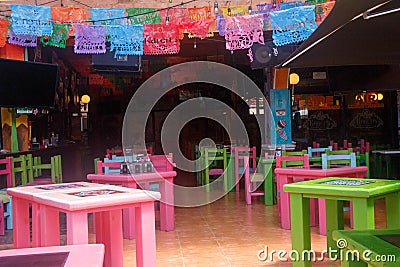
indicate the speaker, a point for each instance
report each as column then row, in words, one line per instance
column 268, row 54
column 121, row 63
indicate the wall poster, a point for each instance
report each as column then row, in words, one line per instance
column 281, row 131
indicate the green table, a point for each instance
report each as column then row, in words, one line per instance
column 377, row 246
column 361, row 192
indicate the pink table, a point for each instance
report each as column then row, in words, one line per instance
column 24, row 196
column 166, row 182
column 105, row 200
column 286, row 176
column 90, row 255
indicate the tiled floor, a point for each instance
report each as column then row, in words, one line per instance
column 225, row 233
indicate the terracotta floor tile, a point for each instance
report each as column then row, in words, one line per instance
column 227, row 233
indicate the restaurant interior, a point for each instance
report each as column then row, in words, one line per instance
column 338, row 163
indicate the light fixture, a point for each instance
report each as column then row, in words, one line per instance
column 273, row 3
column 167, row 18
column 368, row 15
column 194, row 43
column 170, row 1
column 209, row 9
column 250, row 8
column 85, row 99
column 294, row 79
column 215, row 7
column 229, row 9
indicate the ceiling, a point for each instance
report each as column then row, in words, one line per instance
column 348, row 37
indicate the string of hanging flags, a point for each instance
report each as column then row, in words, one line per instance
column 152, row 31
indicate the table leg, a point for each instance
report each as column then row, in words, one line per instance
column 284, row 206
column 49, row 226
column 167, row 209
column 268, row 185
column 98, row 223
column 247, row 183
column 346, row 263
column 375, row 160
column 322, row 216
column 237, row 175
column 36, row 242
column 145, row 235
column 77, row 228
column 388, row 160
column 363, row 213
column 231, row 174
column 112, row 238
column 128, row 218
column 283, row 202
column 300, row 223
column 379, row 166
column 363, row 218
column 21, row 229
column 392, row 203
column 334, row 221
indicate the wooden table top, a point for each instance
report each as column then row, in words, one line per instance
column 339, row 186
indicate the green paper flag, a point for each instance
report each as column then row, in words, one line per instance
column 141, row 16
column 59, row 36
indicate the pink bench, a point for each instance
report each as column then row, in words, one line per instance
column 91, row 255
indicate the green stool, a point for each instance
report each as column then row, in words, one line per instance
column 361, row 192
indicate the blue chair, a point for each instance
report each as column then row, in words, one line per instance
column 114, row 158
column 329, row 160
column 317, row 150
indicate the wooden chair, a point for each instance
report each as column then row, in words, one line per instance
column 22, row 165
column 5, row 212
column 292, row 161
column 104, row 167
column 363, row 160
column 163, row 163
column 121, row 152
column 5, row 200
column 316, row 151
column 54, row 166
column 296, row 161
column 6, row 170
column 331, row 160
column 114, row 158
column 95, row 160
column 213, row 161
column 251, row 181
column 239, row 153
